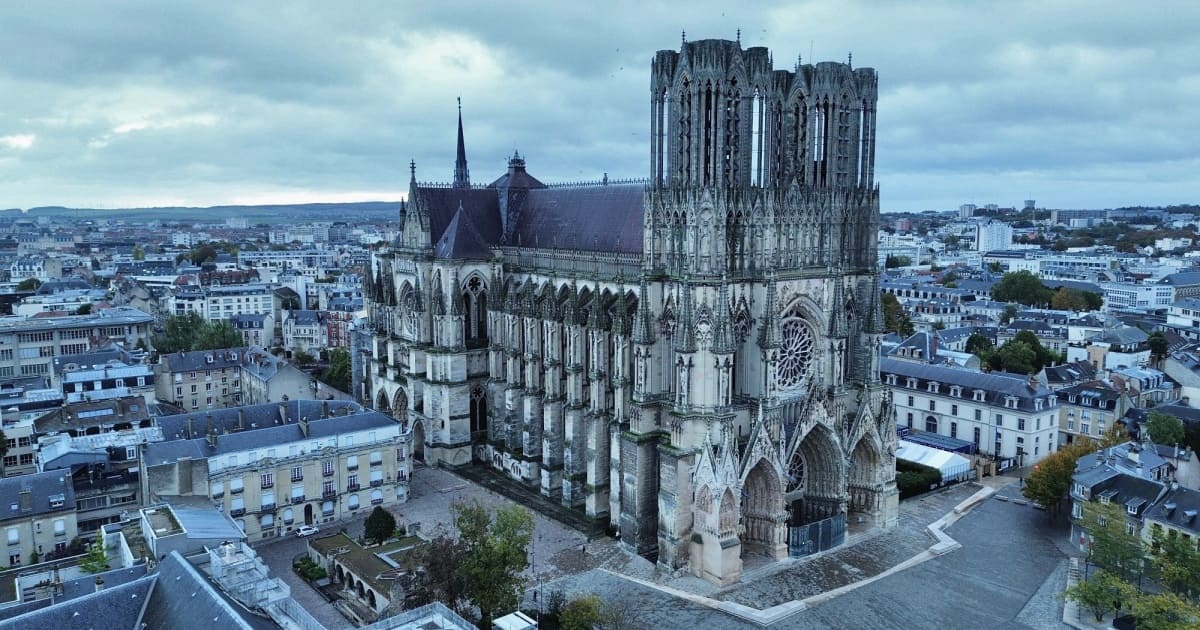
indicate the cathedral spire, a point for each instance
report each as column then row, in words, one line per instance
column 769, row 333
column 462, row 177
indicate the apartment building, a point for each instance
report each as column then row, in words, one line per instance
column 274, row 467
column 41, row 520
column 1010, row 418
column 28, row 347
column 1089, row 410
column 202, row 379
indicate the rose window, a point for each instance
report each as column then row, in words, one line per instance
column 796, row 351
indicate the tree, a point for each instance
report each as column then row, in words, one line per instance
column 1111, row 546
column 1164, row 429
column 29, row 284
column 895, row 319
column 139, row 253
column 1010, row 312
column 1022, row 287
column 495, row 554
column 337, row 375
column 444, row 579
column 84, row 309
column 96, row 559
column 979, row 345
column 1164, row 611
column 583, row 613
column 1015, row 356
column 1158, row 344
column 892, row 262
column 1176, row 561
column 380, row 525
column 1047, row 485
column 188, row 332
column 1101, row 593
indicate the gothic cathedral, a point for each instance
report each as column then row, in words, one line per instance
column 690, row 359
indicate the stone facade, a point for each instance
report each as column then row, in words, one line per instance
column 692, row 359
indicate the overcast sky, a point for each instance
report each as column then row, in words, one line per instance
column 116, row 104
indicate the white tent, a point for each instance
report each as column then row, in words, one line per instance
column 952, row 465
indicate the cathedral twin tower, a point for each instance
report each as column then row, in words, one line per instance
column 699, row 370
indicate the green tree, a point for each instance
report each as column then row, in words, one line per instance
column 495, row 555
column 1165, row 611
column 1009, row 313
column 380, row 525
column 139, row 253
column 895, row 319
column 1176, row 562
column 1022, row 287
column 444, row 579
column 1015, row 356
column 583, row 613
column 337, row 375
column 995, row 267
column 1158, row 344
column 217, row 335
column 1050, row 480
column 96, row 559
column 892, row 262
column 1165, row 429
column 979, row 345
column 84, row 309
column 1102, row 593
column 1112, row 547
column 29, row 284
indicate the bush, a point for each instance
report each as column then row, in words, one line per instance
column 913, row 479
column 309, row 570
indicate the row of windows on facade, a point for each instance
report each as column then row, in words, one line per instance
column 932, row 425
column 267, row 521
column 978, row 415
column 327, row 467
column 977, row 395
column 208, row 387
column 98, row 385
column 25, row 459
column 73, row 333
column 59, row 524
column 267, row 496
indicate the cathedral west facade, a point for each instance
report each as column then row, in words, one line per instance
column 691, row 359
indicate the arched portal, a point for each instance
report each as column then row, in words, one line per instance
column 764, row 520
column 418, row 441
column 371, row 599
column 400, row 406
column 816, row 492
column 864, row 477
column 308, row 514
column 381, row 402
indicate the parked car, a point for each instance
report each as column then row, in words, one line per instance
column 306, row 530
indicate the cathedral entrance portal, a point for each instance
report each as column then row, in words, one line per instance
column 815, row 478
column 764, row 520
column 864, row 479
column 418, row 442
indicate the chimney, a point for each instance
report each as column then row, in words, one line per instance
column 241, row 419
column 99, row 581
column 324, row 409
column 190, row 434
column 304, row 426
column 282, row 413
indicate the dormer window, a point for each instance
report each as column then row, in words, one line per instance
column 956, row 391
column 1037, row 404
column 977, row 395
column 911, row 382
column 891, row 379
column 933, row 387
column 1010, row 402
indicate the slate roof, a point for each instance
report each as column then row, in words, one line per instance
column 269, row 430
column 116, row 607
column 1070, row 372
column 592, row 218
column 305, row 318
column 183, row 598
column 198, row 360
column 1118, row 458
column 44, row 487
column 462, row 240
column 442, row 204
column 1182, row 278
column 1094, row 394
column 996, row 385
column 1179, row 508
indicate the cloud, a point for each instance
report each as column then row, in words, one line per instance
column 1072, row 103
column 20, row 141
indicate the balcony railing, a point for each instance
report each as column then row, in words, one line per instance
column 325, row 494
column 267, row 507
column 299, row 499
column 237, row 512
column 376, row 483
column 327, row 472
column 352, row 487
